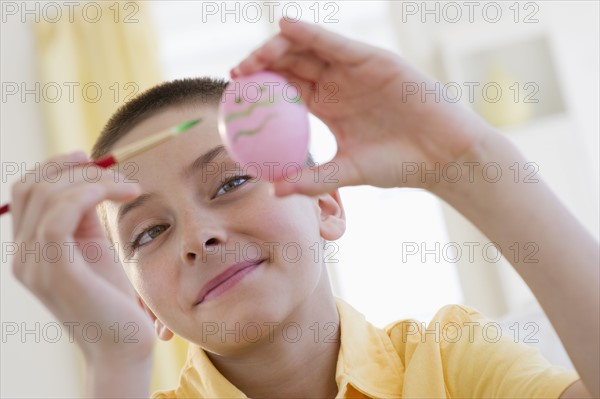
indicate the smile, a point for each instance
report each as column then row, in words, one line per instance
column 227, row 280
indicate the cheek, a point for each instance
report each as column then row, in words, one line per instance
column 152, row 283
column 288, row 216
column 298, row 250
column 139, row 282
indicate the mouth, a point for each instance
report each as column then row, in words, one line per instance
column 227, row 280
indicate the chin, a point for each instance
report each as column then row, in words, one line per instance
column 263, row 308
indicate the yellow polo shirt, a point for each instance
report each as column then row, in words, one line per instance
column 460, row 354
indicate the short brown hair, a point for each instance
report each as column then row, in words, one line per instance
column 167, row 94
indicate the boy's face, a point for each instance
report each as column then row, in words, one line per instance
column 208, row 220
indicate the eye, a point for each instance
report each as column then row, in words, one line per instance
column 146, row 236
column 232, row 184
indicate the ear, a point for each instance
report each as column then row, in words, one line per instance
column 161, row 330
column 333, row 219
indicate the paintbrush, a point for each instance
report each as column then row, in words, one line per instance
column 133, row 149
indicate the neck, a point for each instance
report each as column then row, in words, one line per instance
column 303, row 364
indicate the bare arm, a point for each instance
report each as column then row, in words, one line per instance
column 566, row 278
column 119, row 380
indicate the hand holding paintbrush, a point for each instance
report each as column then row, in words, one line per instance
column 134, row 149
column 75, row 285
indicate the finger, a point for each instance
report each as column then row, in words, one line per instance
column 328, row 45
column 40, row 193
column 306, row 66
column 262, row 57
column 21, row 190
column 302, row 37
column 325, row 178
column 67, row 209
column 57, row 225
column 48, row 194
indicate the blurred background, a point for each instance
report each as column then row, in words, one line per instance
column 529, row 68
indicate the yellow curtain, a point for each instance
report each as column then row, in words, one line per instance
column 91, row 60
column 95, row 63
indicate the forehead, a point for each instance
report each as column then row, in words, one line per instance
column 170, row 117
column 172, row 155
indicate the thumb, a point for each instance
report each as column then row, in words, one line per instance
column 315, row 180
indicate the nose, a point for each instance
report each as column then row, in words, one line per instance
column 200, row 240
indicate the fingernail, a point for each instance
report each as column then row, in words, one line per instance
column 235, row 72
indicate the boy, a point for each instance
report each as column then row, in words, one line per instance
column 174, row 248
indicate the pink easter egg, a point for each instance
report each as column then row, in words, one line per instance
column 264, row 126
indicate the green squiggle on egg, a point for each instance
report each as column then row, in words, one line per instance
column 297, row 100
column 246, row 112
column 252, row 132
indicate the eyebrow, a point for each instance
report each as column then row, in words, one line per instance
column 128, row 207
column 199, row 163
column 202, row 161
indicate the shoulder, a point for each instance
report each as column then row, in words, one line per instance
column 410, row 336
column 474, row 357
column 447, row 313
column 164, row 395
column 448, row 317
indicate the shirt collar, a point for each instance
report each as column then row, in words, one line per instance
column 367, row 361
column 368, row 365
